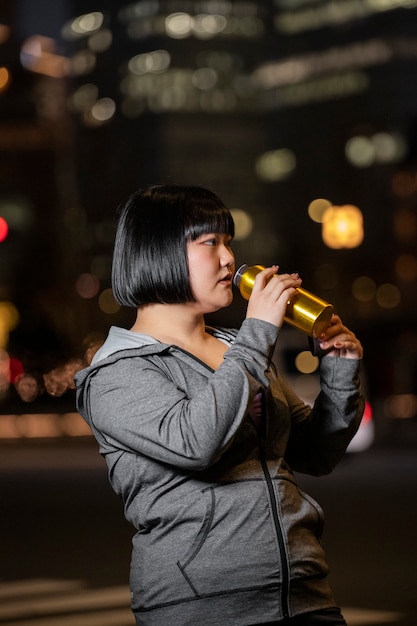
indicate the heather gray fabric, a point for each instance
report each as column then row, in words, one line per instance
column 225, row 537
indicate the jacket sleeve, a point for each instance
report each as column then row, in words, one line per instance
column 319, row 436
column 153, row 414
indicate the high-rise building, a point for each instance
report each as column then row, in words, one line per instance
column 273, row 104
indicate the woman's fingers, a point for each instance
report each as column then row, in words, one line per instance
column 270, row 295
column 339, row 340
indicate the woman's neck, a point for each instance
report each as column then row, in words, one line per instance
column 182, row 326
column 170, row 323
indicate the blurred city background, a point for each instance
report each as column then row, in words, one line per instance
column 300, row 114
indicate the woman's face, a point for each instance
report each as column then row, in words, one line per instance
column 211, row 265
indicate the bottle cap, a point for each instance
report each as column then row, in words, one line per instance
column 238, row 275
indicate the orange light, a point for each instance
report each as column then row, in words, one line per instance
column 9, row 319
column 342, row 227
column 4, row 78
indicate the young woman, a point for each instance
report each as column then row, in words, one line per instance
column 201, row 434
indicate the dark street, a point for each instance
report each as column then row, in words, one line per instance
column 65, row 545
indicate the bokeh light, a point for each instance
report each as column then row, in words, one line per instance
column 360, row 151
column 83, row 98
column 4, row 229
column 275, row 165
column 243, row 224
column 401, row 406
column 87, row 285
column 389, row 147
column 405, row 225
column 406, row 267
column 4, row 33
column 103, row 110
column 38, row 55
column 206, row 26
column 342, row 227
column 4, row 371
column 364, row 289
column 316, row 16
column 382, row 147
column 178, row 25
column 107, row 303
column 83, row 62
column 9, row 319
column 204, row 78
column 17, row 212
column 317, row 209
column 27, row 387
column 83, row 25
column 388, row 296
column 154, row 62
column 404, row 184
column 306, row 363
column 5, row 78
column 100, row 41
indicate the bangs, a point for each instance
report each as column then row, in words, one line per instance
column 210, row 219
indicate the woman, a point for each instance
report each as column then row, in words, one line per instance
column 199, row 431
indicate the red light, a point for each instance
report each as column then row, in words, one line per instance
column 367, row 415
column 4, row 229
column 16, row 369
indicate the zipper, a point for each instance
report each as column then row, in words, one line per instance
column 277, row 523
column 192, row 356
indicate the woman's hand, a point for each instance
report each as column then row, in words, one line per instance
column 270, row 295
column 338, row 340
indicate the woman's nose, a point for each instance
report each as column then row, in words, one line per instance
column 228, row 258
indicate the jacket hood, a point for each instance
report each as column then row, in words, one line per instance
column 121, row 339
column 120, row 343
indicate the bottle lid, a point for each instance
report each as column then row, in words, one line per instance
column 238, row 275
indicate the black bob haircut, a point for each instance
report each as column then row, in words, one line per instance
column 150, row 251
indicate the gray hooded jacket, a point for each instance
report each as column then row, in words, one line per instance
column 225, row 537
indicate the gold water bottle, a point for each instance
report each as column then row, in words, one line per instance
column 305, row 311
